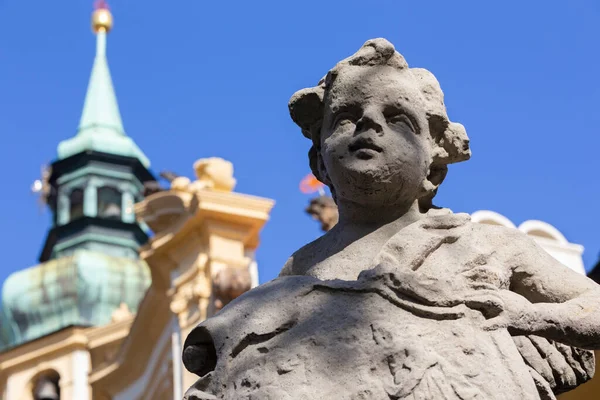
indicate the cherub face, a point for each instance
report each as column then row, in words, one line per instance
column 374, row 138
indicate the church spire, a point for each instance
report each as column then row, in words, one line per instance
column 101, row 128
column 101, row 108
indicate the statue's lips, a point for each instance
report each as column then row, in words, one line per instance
column 364, row 148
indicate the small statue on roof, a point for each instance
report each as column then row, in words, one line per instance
column 154, row 186
column 321, row 208
column 42, row 186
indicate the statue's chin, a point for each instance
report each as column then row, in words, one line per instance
column 358, row 166
column 375, row 184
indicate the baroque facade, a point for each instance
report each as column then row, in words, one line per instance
column 201, row 257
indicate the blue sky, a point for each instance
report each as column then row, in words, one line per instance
column 197, row 79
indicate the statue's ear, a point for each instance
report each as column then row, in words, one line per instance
column 451, row 143
column 306, row 109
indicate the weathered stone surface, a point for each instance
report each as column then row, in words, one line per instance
column 400, row 299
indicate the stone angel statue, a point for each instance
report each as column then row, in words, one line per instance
column 400, row 299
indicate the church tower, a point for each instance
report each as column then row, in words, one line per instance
column 89, row 264
column 99, row 173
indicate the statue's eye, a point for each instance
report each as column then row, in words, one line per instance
column 401, row 119
column 344, row 120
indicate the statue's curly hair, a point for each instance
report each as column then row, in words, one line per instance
column 450, row 143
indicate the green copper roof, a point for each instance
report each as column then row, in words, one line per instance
column 101, row 128
column 7, row 334
column 83, row 289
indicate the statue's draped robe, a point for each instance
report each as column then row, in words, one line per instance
column 409, row 328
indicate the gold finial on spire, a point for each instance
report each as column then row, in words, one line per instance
column 102, row 20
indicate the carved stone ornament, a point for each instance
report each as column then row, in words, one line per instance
column 186, row 300
column 400, row 299
column 122, row 313
column 230, row 283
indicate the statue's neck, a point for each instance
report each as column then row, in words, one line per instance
column 356, row 221
column 353, row 244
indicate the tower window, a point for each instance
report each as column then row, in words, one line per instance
column 109, row 203
column 46, row 386
column 76, row 204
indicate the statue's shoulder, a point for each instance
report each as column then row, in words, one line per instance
column 505, row 241
column 461, row 225
column 304, row 257
column 503, row 235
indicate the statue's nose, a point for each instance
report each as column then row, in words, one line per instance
column 368, row 121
